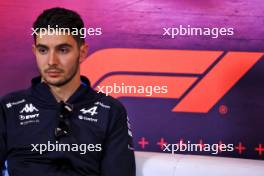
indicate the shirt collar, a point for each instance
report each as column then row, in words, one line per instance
column 41, row 91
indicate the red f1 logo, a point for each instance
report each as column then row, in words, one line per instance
column 206, row 75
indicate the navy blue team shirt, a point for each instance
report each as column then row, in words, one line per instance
column 31, row 116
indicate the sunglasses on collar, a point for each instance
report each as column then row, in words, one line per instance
column 63, row 127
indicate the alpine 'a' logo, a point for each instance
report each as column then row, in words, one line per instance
column 92, row 111
column 29, row 108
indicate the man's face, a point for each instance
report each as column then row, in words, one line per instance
column 58, row 58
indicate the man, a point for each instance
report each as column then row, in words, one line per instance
column 60, row 125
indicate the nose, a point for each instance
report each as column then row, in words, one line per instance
column 53, row 59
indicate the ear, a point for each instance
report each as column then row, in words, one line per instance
column 83, row 52
column 34, row 49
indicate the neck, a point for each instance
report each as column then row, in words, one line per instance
column 63, row 93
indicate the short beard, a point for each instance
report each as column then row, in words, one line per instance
column 67, row 80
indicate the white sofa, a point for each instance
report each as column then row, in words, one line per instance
column 162, row 164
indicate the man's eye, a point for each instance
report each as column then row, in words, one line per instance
column 42, row 50
column 64, row 50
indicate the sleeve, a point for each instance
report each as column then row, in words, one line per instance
column 2, row 140
column 118, row 152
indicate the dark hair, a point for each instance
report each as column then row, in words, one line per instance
column 60, row 18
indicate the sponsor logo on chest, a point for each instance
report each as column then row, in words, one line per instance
column 88, row 114
column 28, row 114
